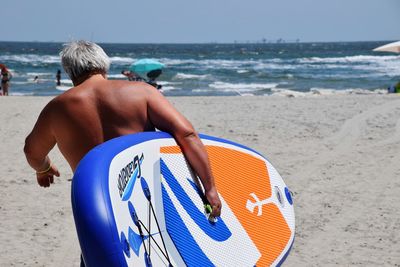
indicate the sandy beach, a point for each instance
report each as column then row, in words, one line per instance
column 339, row 154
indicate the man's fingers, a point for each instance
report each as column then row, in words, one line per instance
column 55, row 171
column 216, row 211
column 45, row 180
column 40, row 181
column 215, row 202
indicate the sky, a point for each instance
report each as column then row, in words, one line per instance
column 199, row 21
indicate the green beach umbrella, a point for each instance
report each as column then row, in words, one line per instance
column 143, row 66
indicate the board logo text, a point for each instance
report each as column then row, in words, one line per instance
column 128, row 175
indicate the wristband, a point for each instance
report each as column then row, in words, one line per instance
column 46, row 170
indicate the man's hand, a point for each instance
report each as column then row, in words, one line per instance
column 47, row 178
column 215, row 202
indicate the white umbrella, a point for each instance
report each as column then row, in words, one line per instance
column 391, row 47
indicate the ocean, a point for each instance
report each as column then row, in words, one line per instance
column 221, row 69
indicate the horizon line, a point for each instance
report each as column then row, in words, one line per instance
column 277, row 41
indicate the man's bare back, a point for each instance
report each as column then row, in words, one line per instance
column 96, row 111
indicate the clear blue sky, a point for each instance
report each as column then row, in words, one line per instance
column 182, row 21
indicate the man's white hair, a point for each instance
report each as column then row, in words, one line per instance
column 82, row 58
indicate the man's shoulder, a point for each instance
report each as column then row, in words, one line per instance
column 125, row 83
column 66, row 98
column 63, row 97
column 131, row 87
column 53, row 104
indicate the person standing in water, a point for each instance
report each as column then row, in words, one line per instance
column 58, row 77
column 5, row 79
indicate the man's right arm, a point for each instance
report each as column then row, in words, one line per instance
column 166, row 118
column 37, row 146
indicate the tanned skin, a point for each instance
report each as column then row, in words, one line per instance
column 97, row 110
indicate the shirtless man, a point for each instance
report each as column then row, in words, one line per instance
column 97, row 110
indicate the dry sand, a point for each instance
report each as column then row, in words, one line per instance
column 338, row 154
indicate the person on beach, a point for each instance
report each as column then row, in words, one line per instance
column 394, row 89
column 97, row 109
column 58, row 77
column 5, row 79
column 131, row 75
column 153, row 75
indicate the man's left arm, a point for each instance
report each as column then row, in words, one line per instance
column 37, row 146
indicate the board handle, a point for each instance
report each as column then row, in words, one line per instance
column 208, row 211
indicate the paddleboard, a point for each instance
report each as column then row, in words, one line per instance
column 136, row 202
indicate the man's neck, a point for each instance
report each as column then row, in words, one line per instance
column 89, row 77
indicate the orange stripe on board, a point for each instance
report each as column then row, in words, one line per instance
column 238, row 174
column 170, row 150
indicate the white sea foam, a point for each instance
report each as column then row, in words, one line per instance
column 239, row 92
column 116, row 76
column 21, row 94
column 168, row 88
column 208, row 63
column 324, row 92
column 168, row 83
column 203, row 90
column 39, row 80
column 375, row 65
column 40, row 74
column 66, row 81
column 122, row 60
column 63, row 87
column 242, row 87
column 286, row 92
column 183, row 76
column 176, row 62
column 370, row 66
column 242, row 71
column 20, row 82
column 349, row 59
column 266, row 66
column 349, row 91
column 31, row 58
column 244, row 94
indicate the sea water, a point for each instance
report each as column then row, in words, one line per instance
column 220, row 69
